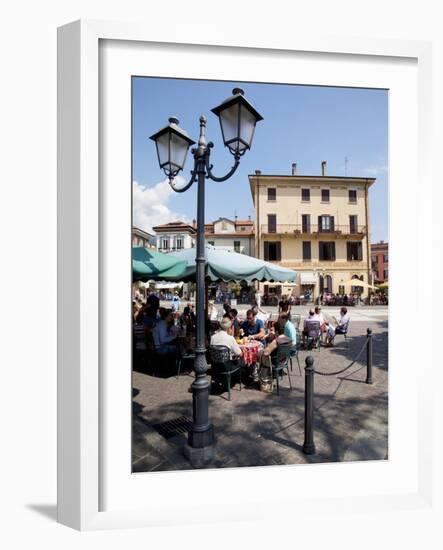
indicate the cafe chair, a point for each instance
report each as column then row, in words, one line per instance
column 294, row 353
column 343, row 333
column 312, row 334
column 280, row 363
column 222, row 366
column 295, row 319
column 183, row 357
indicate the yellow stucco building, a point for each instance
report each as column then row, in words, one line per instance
column 317, row 225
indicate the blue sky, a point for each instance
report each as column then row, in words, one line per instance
column 302, row 124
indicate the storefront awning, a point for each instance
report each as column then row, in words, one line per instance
column 308, row 278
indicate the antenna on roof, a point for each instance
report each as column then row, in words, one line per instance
column 346, row 166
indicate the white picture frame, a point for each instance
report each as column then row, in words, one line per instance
column 85, row 211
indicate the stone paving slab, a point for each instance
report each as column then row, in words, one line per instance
column 257, row 428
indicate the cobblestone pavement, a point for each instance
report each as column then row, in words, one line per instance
column 259, row 429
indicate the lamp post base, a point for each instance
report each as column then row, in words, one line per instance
column 308, row 448
column 198, row 456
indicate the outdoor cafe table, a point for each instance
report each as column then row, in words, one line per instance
column 250, row 352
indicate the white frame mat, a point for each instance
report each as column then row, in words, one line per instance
column 96, row 489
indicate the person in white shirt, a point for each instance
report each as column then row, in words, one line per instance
column 212, row 311
column 223, row 338
column 258, row 299
column 341, row 326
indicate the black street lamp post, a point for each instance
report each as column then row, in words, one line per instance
column 237, row 120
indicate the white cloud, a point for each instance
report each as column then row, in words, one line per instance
column 150, row 206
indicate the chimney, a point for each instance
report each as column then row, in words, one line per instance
column 323, row 168
column 294, row 168
column 236, row 218
column 258, row 172
column 194, row 223
column 249, row 218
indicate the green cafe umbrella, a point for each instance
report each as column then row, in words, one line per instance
column 225, row 265
column 150, row 265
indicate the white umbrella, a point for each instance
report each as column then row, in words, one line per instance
column 357, row 282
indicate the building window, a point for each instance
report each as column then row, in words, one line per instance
column 237, row 246
column 354, row 251
column 325, row 224
column 224, row 226
column 326, row 251
column 373, row 262
column 306, row 250
column 165, row 244
column 306, row 223
column 352, row 195
column 325, row 195
column 272, row 194
column 179, row 243
column 353, row 226
column 272, row 223
column 327, row 284
column 341, row 290
column 212, row 243
column 242, row 228
column 386, row 274
column 385, row 258
column 272, row 251
column 305, row 195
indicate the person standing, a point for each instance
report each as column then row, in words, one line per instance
column 175, row 302
column 258, row 298
column 284, row 306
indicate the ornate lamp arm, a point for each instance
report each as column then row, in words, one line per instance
column 210, row 166
column 190, row 182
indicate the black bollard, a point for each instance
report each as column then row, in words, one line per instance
column 308, row 445
column 369, row 356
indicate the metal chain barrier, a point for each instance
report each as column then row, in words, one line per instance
column 308, row 445
column 346, row 368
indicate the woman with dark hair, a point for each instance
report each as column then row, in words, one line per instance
column 280, row 339
column 235, row 324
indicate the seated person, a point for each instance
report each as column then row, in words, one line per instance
column 259, row 314
column 252, row 327
column 289, row 330
column 235, row 324
column 308, row 320
column 341, row 326
column 227, row 308
column 189, row 317
column 153, row 301
column 319, row 316
column 223, row 338
column 164, row 339
column 272, row 348
column 280, row 339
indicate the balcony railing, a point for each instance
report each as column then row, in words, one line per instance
column 313, row 230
